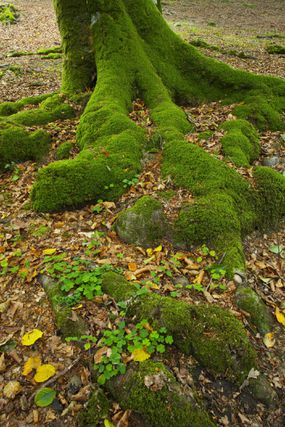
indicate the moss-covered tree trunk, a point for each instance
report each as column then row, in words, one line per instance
column 134, row 53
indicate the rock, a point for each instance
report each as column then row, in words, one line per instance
column 248, row 300
column 270, row 161
column 181, row 280
column 143, row 224
column 262, row 391
column 74, row 384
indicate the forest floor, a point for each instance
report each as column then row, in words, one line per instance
column 240, row 32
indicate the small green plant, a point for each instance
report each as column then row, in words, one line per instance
column 98, row 207
column 92, row 246
column 130, row 182
column 41, row 231
column 88, row 340
column 14, row 169
column 119, row 344
column 8, row 13
column 78, row 278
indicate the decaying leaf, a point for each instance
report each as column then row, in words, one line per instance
column 155, row 382
column 31, row 363
column 44, row 372
column 140, row 355
column 269, row 340
column 12, row 389
column 100, row 353
column 31, row 337
column 49, row 251
column 2, row 363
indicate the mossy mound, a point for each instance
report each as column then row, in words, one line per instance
column 166, row 406
column 241, row 142
column 96, row 410
column 249, row 301
column 19, row 145
column 275, row 49
column 212, row 335
column 63, row 151
column 8, row 13
column 9, row 108
column 143, row 224
column 271, row 188
column 52, row 108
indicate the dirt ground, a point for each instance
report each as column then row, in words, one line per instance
column 26, row 237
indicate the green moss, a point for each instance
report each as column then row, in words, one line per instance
column 271, row 188
column 96, row 411
column 63, row 151
column 167, row 406
column 249, row 301
column 241, row 142
column 213, row 220
column 19, row 145
column 52, row 108
column 47, row 51
column 63, row 314
column 211, row 334
column 52, row 56
column 261, row 112
column 205, row 135
column 275, row 49
column 9, row 108
column 8, row 13
column 143, row 224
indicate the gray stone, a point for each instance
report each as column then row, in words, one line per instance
column 248, row 300
column 270, row 161
column 143, row 224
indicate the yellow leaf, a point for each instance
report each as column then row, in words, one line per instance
column 149, row 251
column 49, row 251
column 158, row 249
column 132, row 266
column 108, row 423
column 44, row 372
column 140, row 355
column 31, row 337
column 280, row 316
column 12, row 389
column 269, row 340
column 31, row 363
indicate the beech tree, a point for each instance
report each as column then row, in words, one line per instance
column 116, row 51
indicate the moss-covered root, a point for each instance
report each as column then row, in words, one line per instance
column 271, row 188
column 9, row 108
column 213, row 220
column 212, row 335
column 241, row 142
column 19, row 145
column 96, row 410
column 66, row 325
column 55, row 107
column 160, row 405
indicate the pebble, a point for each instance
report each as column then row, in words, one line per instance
column 270, row 161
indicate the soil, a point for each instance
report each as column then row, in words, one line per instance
column 26, row 237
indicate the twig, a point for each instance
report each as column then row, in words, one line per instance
column 55, row 378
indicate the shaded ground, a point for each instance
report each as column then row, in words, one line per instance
column 25, row 235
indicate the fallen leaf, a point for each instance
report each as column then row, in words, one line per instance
column 269, row 340
column 45, row 397
column 140, row 355
column 2, row 363
column 132, row 266
column 31, row 337
column 100, row 353
column 31, row 363
column 12, row 389
column 49, row 251
column 158, row 249
column 108, row 423
column 44, row 372
column 280, row 316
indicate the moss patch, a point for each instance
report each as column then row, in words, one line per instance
column 96, row 411
column 19, row 145
column 166, row 406
column 9, row 108
column 212, row 335
column 63, row 151
column 241, row 142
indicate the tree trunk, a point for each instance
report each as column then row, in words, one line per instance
column 135, row 54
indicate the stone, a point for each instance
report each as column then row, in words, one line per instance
column 270, row 161
column 262, row 391
column 143, row 224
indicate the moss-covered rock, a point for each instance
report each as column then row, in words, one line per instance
column 66, row 325
column 270, row 185
column 211, row 334
column 63, row 151
column 19, row 145
column 262, row 391
column 241, row 142
column 143, row 224
column 248, row 300
column 96, row 410
column 165, row 405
